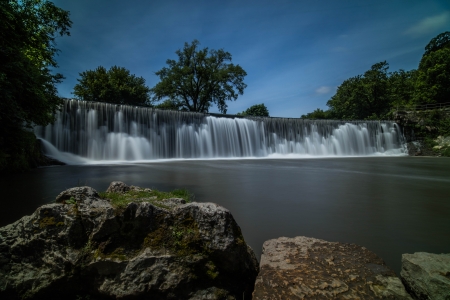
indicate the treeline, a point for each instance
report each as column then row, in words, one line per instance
column 376, row 94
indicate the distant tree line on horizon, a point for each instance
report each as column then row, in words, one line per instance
column 375, row 94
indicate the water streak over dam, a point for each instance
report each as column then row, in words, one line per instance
column 92, row 131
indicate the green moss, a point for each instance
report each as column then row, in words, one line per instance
column 47, row 221
column 121, row 200
column 117, row 254
column 211, row 270
column 182, row 239
column 71, row 201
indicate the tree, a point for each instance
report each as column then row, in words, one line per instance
column 28, row 95
column 200, row 78
column 257, row 110
column 439, row 42
column 402, row 87
column 364, row 96
column 115, row 85
column 318, row 114
column 433, row 78
column 169, row 105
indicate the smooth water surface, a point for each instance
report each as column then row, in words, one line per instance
column 390, row 205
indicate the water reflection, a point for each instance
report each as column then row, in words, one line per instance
column 390, row 205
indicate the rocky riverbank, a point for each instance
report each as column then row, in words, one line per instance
column 426, row 132
column 137, row 243
column 438, row 147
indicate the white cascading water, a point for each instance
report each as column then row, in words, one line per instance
column 91, row 131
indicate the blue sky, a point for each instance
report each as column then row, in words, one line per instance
column 295, row 53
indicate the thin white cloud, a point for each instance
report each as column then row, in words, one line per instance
column 430, row 24
column 323, row 90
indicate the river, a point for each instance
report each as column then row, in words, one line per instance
column 390, row 205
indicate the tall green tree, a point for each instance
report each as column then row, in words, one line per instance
column 115, row 85
column 28, row 95
column 433, row 78
column 439, row 42
column 364, row 96
column 257, row 110
column 200, row 78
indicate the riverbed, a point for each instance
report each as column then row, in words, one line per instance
column 390, row 205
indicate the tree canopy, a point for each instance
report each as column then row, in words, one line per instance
column 115, row 85
column 363, row 96
column 257, row 110
column 318, row 114
column 433, row 74
column 28, row 95
column 439, row 42
column 199, row 78
column 377, row 92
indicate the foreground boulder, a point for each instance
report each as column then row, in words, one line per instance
column 85, row 248
column 308, row 268
column 426, row 275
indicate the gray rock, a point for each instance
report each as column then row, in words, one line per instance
column 308, row 268
column 426, row 275
column 173, row 202
column 78, row 194
column 88, row 247
column 117, row 187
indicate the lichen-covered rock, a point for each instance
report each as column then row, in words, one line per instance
column 74, row 249
column 308, row 268
column 426, row 275
column 117, row 187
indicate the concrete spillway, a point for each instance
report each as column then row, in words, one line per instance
column 91, row 131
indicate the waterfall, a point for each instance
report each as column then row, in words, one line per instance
column 91, row 131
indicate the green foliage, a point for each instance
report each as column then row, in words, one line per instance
column 444, row 126
column 115, row 85
column 170, row 105
column 433, row 79
column 429, row 142
column 121, row 200
column 28, row 94
column 402, row 87
column 364, row 96
column 439, row 42
column 446, row 152
column 200, row 78
column 376, row 94
column 257, row 110
column 71, row 201
column 318, row 114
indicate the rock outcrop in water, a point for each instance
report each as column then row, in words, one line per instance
column 308, row 268
column 83, row 246
column 427, row 275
